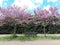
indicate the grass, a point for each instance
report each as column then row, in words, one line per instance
column 28, row 38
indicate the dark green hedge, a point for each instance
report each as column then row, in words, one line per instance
column 50, row 29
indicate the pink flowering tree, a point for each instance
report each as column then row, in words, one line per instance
column 15, row 15
column 47, row 16
column 2, row 17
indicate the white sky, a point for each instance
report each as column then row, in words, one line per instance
column 28, row 3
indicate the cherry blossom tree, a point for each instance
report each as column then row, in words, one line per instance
column 47, row 16
column 15, row 15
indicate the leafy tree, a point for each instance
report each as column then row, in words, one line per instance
column 15, row 15
column 47, row 16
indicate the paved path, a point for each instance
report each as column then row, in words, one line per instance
column 37, row 35
column 37, row 42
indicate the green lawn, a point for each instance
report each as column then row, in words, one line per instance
column 25, row 38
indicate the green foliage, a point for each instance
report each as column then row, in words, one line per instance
column 21, row 29
column 29, row 38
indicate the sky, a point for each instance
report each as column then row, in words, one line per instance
column 31, row 4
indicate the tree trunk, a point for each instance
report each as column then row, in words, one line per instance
column 49, row 28
column 44, row 31
column 14, row 33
